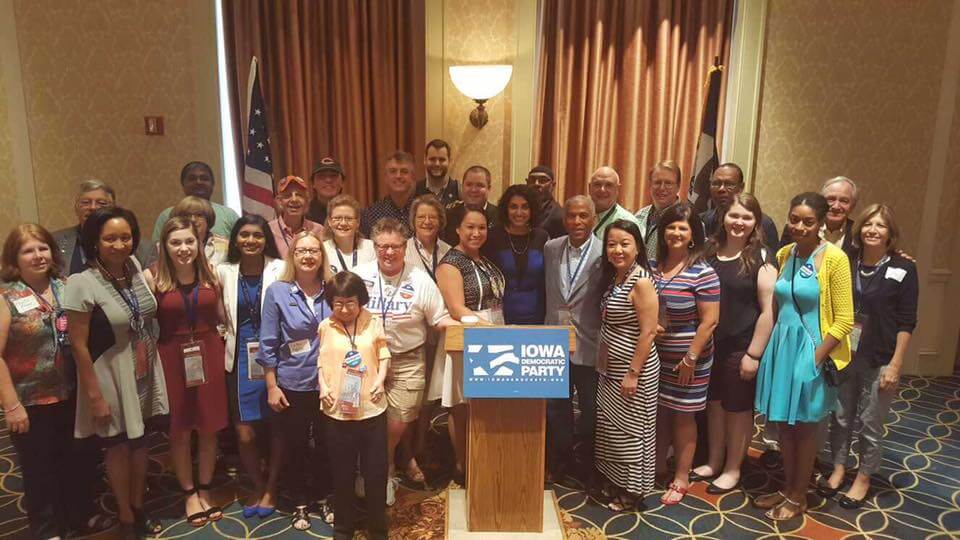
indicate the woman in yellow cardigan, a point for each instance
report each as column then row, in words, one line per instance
column 814, row 300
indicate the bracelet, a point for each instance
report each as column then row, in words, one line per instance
column 684, row 362
column 634, row 372
column 11, row 409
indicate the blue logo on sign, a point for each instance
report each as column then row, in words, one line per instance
column 516, row 362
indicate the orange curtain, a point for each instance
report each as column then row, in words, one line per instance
column 621, row 83
column 343, row 78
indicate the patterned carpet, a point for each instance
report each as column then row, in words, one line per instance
column 916, row 495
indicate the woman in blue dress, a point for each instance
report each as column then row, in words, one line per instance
column 516, row 247
column 814, row 298
column 251, row 266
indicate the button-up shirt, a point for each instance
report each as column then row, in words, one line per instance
column 371, row 343
column 283, row 235
column 384, row 208
column 448, row 194
column 289, row 316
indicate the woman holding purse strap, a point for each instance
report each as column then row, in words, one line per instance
column 814, row 300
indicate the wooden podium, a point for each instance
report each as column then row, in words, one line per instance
column 505, row 455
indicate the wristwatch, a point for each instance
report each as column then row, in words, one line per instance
column 691, row 357
column 634, row 372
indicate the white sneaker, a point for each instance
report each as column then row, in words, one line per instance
column 358, row 487
column 392, row 484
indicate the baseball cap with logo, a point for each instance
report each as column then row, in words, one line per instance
column 288, row 180
column 328, row 164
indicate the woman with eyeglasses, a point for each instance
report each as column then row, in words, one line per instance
column 293, row 307
column 344, row 248
column 252, row 266
column 112, row 326
column 352, row 369
column 38, row 388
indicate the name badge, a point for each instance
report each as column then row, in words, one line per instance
column 859, row 322
column 254, row 370
column 565, row 315
column 896, row 274
column 350, row 387
column 140, row 362
column 301, row 346
column 192, row 353
column 25, row 304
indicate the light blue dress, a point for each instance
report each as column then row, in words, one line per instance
column 790, row 388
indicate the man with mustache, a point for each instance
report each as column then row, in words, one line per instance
column 292, row 200
column 725, row 182
column 541, row 179
column 438, row 182
column 196, row 178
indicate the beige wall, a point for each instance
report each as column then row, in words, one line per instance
column 90, row 72
column 850, row 88
column 475, row 32
column 869, row 89
column 9, row 216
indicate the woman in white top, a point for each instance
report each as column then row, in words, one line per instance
column 252, row 265
column 425, row 249
column 343, row 247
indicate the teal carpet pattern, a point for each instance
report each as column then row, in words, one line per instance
column 915, row 496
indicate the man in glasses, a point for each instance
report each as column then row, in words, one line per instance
column 726, row 182
column 664, row 182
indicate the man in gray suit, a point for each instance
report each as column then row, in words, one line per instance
column 573, row 283
column 92, row 196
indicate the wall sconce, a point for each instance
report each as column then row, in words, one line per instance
column 480, row 83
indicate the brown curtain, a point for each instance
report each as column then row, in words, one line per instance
column 621, row 83
column 343, row 78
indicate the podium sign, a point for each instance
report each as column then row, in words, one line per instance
column 516, row 362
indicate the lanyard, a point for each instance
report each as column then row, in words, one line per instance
column 660, row 288
column 603, row 221
column 494, row 287
column 191, row 306
column 572, row 278
column 130, row 298
column 385, row 302
column 431, row 269
column 352, row 337
column 863, row 292
column 252, row 309
column 343, row 263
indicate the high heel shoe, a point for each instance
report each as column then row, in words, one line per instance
column 196, row 519
column 214, row 513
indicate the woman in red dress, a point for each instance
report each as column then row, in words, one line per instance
column 191, row 351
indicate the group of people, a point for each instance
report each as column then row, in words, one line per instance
column 319, row 332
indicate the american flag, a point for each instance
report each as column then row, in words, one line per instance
column 257, row 187
column 707, row 159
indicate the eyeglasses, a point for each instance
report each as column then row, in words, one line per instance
column 383, row 248
column 661, row 185
column 424, row 219
column 306, row 251
column 93, row 203
column 717, row 184
column 349, row 304
column 342, row 219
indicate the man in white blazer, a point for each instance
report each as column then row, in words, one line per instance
column 573, row 284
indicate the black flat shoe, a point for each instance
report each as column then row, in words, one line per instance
column 824, row 490
column 694, row 477
column 713, row 489
column 850, row 504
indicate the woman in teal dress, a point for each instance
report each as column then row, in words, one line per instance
column 814, row 300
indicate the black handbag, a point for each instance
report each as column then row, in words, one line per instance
column 833, row 375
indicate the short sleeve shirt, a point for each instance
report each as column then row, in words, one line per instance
column 371, row 343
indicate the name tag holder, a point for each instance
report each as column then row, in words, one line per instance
column 859, row 323
column 192, row 354
column 351, row 384
column 565, row 315
column 255, row 371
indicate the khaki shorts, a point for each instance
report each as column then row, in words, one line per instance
column 405, row 385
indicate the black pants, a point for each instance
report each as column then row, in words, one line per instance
column 366, row 441
column 304, row 465
column 58, row 471
column 560, row 421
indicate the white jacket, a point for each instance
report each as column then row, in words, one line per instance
column 228, row 274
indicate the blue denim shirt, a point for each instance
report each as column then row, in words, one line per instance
column 287, row 318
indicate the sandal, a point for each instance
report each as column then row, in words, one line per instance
column 414, row 472
column 765, row 502
column 776, row 514
column 673, row 488
column 622, row 503
column 145, row 523
column 214, row 513
column 196, row 519
column 301, row 519
column 325, row 509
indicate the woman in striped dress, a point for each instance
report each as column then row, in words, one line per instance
column 689, row 298
column 629, row 371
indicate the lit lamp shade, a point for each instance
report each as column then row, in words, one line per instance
column 480, row 83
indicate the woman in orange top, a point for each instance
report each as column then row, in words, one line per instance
column 353, row 364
